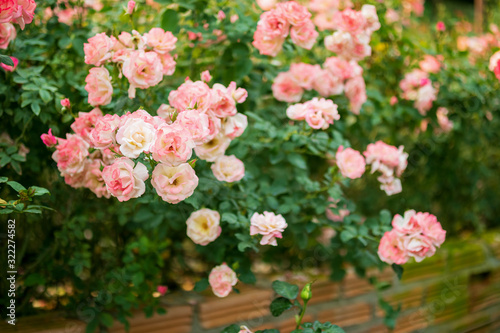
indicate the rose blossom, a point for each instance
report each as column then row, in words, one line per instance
column 143, row 70
column 381, row 153
column 443, row 121
column 84, row 123
column 203, row 226
column 390, row 185
column 406, row 224
column 166, row 112
column 173, row 145
column 294, row 13
column 135, row 136
column 49, row 139
column 431, row 228
column 209, row 151
column 326, row 84
column 174, row 184
column 297, row 111
column 97, row 50
column 419, row 246
column 103, row 135
column 286, row 89
column 123, row 180
column 341, row 68
column 267, row 45
column 234, row 126
column 266, row 4
column 191, row 94
column 168, row 63
column 269, row 225
column 9, row 9
column 350, row 162
column 130, row 7
column 26, row 12
column 272, row 29
column 222, row 104
column 304, row 35
column 162, row 290
column 222, row 279
column 196, row 123
column 349, row 20
column 369, row 12
column 303, row 74
column 205, row 76
column 391, row 248
column 430, row 64
column 7, row 34
column 321, row 107
column 99, row 86
column 228, row 169
column 70, row 154
column 160, row 41
column 65, row 103
column 355, row 91
column 93, row 179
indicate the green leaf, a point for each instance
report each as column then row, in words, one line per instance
column 40, row 190
column 106, row 319
column 6, row 60
column 229, row 218
column 16, row 186
column 32, row 210
column 35, row 107
column 347, row 235
column 280, row 305
column 4, row 211
column 45, row 95
column 3, row 179
column 297, row 161
column 201, row 285
column 231, row 329
column 34, row 279
column 334, row 329
column 170, row 21
column 285, row 289
column 398, row 270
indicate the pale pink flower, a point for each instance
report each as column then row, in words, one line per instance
column 9, row 10
column 320, row 107
column 425, row 96
column 160, row 41
column 209, row 151
column 234, row 126
column 297, row 111
column 65, row 103
column 222, row 104
column 221, row 15
column 168, row 63
column 214, row 125
column 390, row 185
column 266, row 4
column 381, row 153
column 349, row 20
column 303, row 74
column 103, row 135
column 84, row 123
column 272, row 29
column 406, row 224
column 143, row 70
column 443, row 121
column 392, row 249
column 234, row 18
column 342, row 212
column 196, row 123
column 25, row 12
column 124, row 180
column 222, row 279
column 294, row 13
column 7, row 34
column 350, row 162
column 166, row 112
column 304, row 35
column 130, row 7
column 342, row 69
column 327, row 84
column 286, row 89
column 431, row 228
column 430, row 64
column 267, row 45
column 97, row 50
column 372, row 22
column 99, row 86
column 393, row 100
column 419, row 246
column 190, row 95
column 135, row 136
column 49, row 139
column 70, row 154
column 203, row 226
column 205, row 76
column 355, row 91
column 93, row 179
column 173, row 145
column 269, row 225
column 228, row 169
column 391, row 16
column 174, row 184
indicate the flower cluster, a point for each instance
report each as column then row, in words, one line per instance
column 336, row 76
column 204, row 120
column 418, row 87
column 390, row 162
column 269, row 225
column 143, row 59
column 287, row 18
column 18, row 11
column 318, row 113
column 325, row 10
column 354, row 30
column 222, row 279
column 414, row 235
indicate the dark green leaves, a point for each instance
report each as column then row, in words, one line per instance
column 6, row 60
column 280, row 305
column 398, row 270
column 201, row 285
column 170, row 21
column 285, row 289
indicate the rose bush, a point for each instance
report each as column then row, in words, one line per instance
column 188, row 145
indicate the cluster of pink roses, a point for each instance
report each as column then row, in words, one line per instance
column 390, row 162
column 479, row 46
column 336, row 76
column 276, row 24
column 144, row 60
column 418, row 87
column 204, row 120
column 18, row 11
column 318, row 113
column 414, row 235
column 354, row 30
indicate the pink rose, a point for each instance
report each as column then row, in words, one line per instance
column 196, row 123
column 234, row 126
column 103, row 135
column 267, row 45
column 65, row 103
column 350, row 162
column 191, row 94
column 443, row 121
column 494, row 61
column 203, row 226
column 143, row 70
column 7, row 34
column 331, row 215
column 99, row 86
column 10, row 68
column 372, row 23
column 222, row 279
column 135, row 136
column 27, row 12
column 174, row 184
column 392, row 249
column 391, row 16
column 440, row 26
column 221, row 15
column 321, row 108
column 393, row 100
column 419, row 246
column 355, row 91
column 304, row 35
column 304, row 74
column 162, row 290
column 266, row 4
column 168, row 63
column 93, row 179
column 209, row 151
column 123, row 180
column 97, row 50
column 381, row 153
column 84, row 123
column 206, row 77
column 222, row 104
column 70, row 154
column 431, row 228
column 326, row 84
column 294, row 13
column 425, row 96
column 273, row 24
column 160, row 41
column 173, row 145
column 314, row 118
column 390, row 185
column 49, row 139
column 228, row 169
column 130, row 7
column 341, row 68
column 430, row 64
column 297, row 111
column 214, row 125
column 9, row 9
column 166, row 112
column 406, row 224
column 349, row 20
column 286, row 89
column 269, row 225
